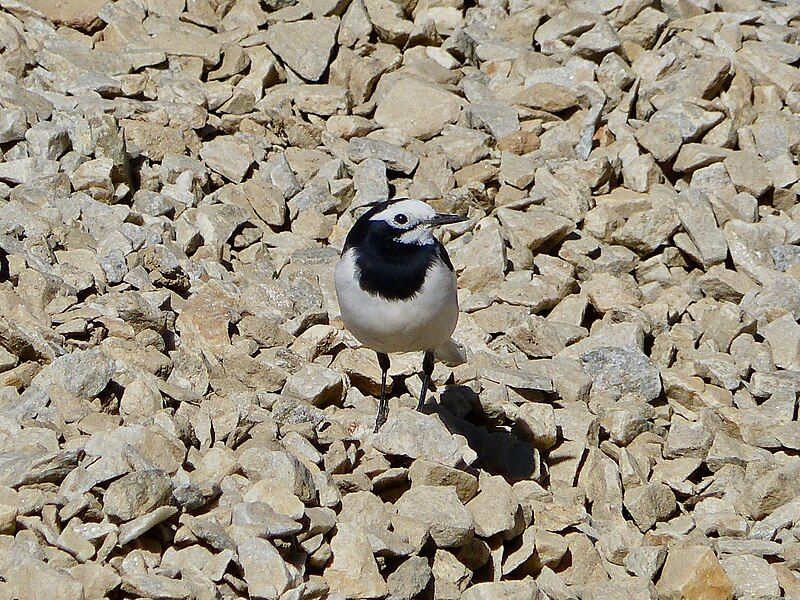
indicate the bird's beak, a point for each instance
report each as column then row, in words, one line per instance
column 445, row 219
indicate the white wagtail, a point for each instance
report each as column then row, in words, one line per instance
column 396, row 286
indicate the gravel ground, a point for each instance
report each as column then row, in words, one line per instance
column 182, row 414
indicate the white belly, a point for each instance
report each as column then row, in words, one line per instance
column 424, row 322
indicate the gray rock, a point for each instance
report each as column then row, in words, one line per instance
column 26, row 170
column 406, row 107
column 412, row 434
column 370, row 182
column 497, row 118
column 13, row 125
column 263, row 521
column 661, row 138
column 397, row 159
column 305, row 46
column 648, row 504
column 536, row 229
column 536, row 421
column 155, row 586
column 425, row 472
column 785, row 256
column 36, row 464
column 353, row 572
column 691, row 119
column 632, row 587
column 494, row 509
column 697, row 216
column 440, row 512
column 137, row 527
column 645, row 231
column 510, row 590
column 645, row 561
column 315, row 384
column 48, row 140
column 275, row 465
column 266, row 573
column 620, row 371
column 389, row 21
column 748, row 173
column 228, row 157
column 751, row 576
column 410, row 579
column 136, row 494
column 81, row 373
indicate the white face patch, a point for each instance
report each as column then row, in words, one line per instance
column 411, row 217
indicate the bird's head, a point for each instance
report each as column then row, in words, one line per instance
column 406, row 221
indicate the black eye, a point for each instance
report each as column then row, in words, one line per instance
column 401, row 219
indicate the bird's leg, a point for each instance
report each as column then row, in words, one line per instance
column 383, row 406
column 427, row 369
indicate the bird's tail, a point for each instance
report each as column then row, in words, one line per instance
column 452, row 353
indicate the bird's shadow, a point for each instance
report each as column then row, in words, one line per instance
column 499, row 452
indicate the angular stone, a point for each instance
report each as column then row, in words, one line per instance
column 410, row 579
column 315, row 384
column 536, row 422
column 13, row 126
column 750, row 244
column 536, row 336
column 228, row 157
column 80, row 14
column 407, row 107
column 537, row 228
column 694, row 156
column 155, row 586
column 693, row 572
column 563, row 24
column 155, row 141
column 279, row 466
column 389, row 21
column 661, row 138
column 645, row 231
column 494, row 509
column 305, row 46
column 395, row 158
column 353, row 572
column 497, row 118
column 696, row 214
column 193, row 43
column 752, row 576
column 748, row 173
column 649, row 503
column 137, row 527
column 322, row 99
column 547, row 96
column 266, row 573
column 412, row 434
column 645, row 561
column 425, row 472
column 82, row 373
column 263, row 521
column 440, row 511
column 620, row 371
column 136, row 494
column 502, row 590
column 691, row 119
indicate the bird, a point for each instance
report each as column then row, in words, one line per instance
column 396, row 286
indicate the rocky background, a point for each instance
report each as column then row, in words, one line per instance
column 182, row 414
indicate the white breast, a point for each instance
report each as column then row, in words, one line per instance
column 424, row 322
